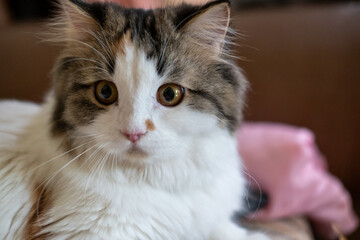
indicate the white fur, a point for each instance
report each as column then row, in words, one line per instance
column 187, row 187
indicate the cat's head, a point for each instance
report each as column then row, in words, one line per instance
column 145, row 83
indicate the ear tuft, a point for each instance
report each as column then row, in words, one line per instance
column 75, row 15
column 208, row 25
column 72, row 22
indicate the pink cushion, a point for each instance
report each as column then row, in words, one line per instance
column 287, row 165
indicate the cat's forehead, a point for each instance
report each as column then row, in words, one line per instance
column 133, row 67
column 126, row 31
column 148, row 29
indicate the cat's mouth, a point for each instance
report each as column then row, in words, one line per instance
column 136, row 151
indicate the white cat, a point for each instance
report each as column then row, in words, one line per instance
column 136, row 140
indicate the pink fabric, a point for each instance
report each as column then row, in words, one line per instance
column 287, row 165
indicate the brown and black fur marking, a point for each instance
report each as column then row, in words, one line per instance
column 41, row 203
column 214, row 85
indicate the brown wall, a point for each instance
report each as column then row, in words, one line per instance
column 304, row 67
column 25, row 62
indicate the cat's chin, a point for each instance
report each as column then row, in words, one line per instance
column 136, row 152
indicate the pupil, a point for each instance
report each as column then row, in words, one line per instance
column 169, row 94
column 106, row 91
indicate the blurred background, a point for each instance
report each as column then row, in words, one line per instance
column 302, row 58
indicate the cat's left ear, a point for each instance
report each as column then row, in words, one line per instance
column 207, row 25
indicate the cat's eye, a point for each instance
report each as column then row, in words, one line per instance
column 170, row 95
column 106, row 92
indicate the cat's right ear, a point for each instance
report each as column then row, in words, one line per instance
column 206, row 25
column 74, row 19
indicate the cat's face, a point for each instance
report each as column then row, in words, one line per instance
column 145, row 84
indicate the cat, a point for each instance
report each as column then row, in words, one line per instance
column 136, row 140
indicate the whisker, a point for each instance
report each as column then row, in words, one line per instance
column 82, row 59
column 49, row 179
column 93, row 154
column 67, row 164
column 62, row 154
column 98, row 68
column 88, row 136
column 91, row 158
column 112, row 170
column 103, row 161
column 92, row 48
column 107, row 42
column 93, row 172
column 93, row 169
column 102, row 45
column 246, row 172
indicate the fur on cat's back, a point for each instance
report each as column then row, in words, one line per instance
column 136, row 138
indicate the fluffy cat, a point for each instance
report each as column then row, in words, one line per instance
column 136, row 139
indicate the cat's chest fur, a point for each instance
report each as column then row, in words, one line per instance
column 140, row 212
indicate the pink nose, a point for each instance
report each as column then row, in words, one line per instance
column 133, row 137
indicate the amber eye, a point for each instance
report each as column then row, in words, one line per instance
column 170, row 94
column 106, row 92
